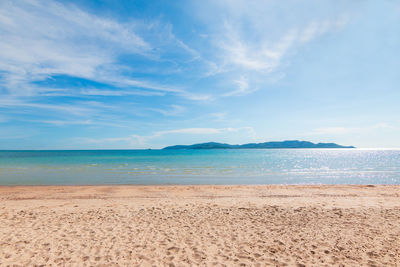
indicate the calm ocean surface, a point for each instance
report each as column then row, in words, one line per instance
column 253, row 166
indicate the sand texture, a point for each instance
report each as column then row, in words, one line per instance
column 200, row 226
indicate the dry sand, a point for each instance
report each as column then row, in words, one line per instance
column 200, row 226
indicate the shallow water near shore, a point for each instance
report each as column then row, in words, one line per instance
column 245, row 166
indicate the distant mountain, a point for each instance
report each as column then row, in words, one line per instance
column 266, row 145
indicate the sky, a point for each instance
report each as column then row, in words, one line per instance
column 110, row 74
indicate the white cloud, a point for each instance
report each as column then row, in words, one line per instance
column 40, row 39
column 265, row 55
column 332, row 130
column 127, row 82
column 62, row 39
column 201, row 131
column 219, row 116
column 243, row 87
column 101, row 92
column 190, row 131
column 198, row 96
column 65, row 108
column 256, row 39
column 84, row 140
column 346, row 130
column 172, row 111
column 66, row 122
column 383, row 125
column 143, row 140
column 317, row 28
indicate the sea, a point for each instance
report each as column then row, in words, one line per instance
column 215, row 166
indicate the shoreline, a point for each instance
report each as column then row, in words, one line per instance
column 210, row 225
column 216, row 186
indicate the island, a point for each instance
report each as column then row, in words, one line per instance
column 265, row 145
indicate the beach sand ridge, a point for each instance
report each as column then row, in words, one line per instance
column 200, row 226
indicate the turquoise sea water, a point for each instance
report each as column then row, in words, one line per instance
column 253, row 166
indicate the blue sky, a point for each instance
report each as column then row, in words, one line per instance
column 140, row 74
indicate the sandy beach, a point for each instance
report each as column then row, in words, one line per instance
column 200, row 226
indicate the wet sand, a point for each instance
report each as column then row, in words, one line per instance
column 200, row 226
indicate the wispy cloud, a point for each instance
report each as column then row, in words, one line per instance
column 68, row 121
column 266, row 55
column 40, row 40
column 218, row 116
column 243, row 87
column 101, row 92
column 64, row 40
column 333, row 130
column 127, row 82
column 250, row 43
column 173, row 110
column 66, row 108
column 191, row 131
column 144, row 140
column 198, row 96
column 198, row 131
column 76, row 66
column 347, row 130
column 60, row 39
